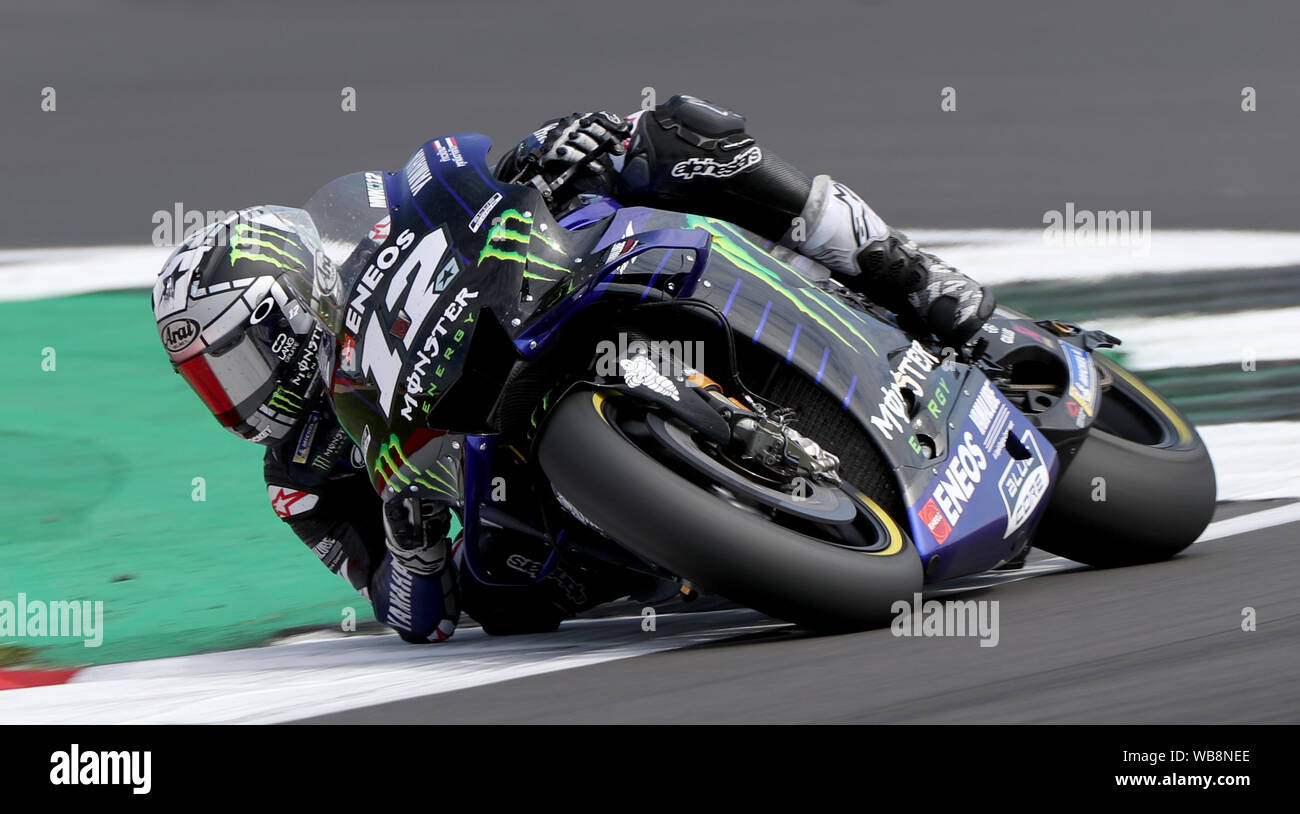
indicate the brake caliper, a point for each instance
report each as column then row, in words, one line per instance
column 777, row 445
column 767, row 437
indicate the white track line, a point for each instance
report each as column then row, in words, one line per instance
column 30, row 274
column 1254, row 521
column 1255, row 461
column 1003, row 255
column 1196, row 340
column 1217, row 530
column 295, row 680
column 992, row 256
column 314, row 676
column 292, row 681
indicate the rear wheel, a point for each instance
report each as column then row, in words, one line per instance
column 1140, row 489
column 831, row 559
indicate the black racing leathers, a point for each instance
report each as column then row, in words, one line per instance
column 691, row 155
column 317, row 483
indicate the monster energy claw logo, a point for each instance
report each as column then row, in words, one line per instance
column 391, row 464
column 812, row 302
column 286, row 401
column 521, row 238
column 250, row 241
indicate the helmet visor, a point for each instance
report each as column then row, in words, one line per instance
column 231, row 383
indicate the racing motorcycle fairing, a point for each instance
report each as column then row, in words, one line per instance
column 452, row 265
column 459, row 276
column 967, row 512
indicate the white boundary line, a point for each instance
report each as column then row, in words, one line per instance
column 1197, row 340
column 291, row 681
column 1217, row 530
column 992, row 256
column 1254, row 521
column 1255, row 460
column 308, row 677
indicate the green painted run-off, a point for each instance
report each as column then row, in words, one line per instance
column 100, row 456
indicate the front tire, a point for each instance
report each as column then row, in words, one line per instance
column 1140, row 489
column 715, row 544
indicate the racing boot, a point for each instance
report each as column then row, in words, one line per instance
column 839, row 230
column 416, row 591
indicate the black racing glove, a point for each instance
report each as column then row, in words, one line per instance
column 577, row 139
column 569, row 155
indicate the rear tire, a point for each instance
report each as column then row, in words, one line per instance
column 720, row 548
column 1154, row 472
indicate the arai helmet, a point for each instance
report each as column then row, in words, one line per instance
column 232, row 306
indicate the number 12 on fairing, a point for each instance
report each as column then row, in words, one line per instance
column 410, row 295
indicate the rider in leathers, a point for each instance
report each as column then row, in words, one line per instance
column 685, row 154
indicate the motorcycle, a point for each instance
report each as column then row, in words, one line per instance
column 676, row 396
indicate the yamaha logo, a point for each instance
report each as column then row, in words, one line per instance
column 445, row 276
column 178, row 334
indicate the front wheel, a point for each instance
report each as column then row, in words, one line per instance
column 834, row 561
column 1140, row 489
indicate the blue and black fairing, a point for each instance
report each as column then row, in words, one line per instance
column 918, row 410
column 470, row 267
column 452, row 264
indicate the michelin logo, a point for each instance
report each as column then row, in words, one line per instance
column 639, row 371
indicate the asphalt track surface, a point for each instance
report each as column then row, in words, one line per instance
column 1111, row 106
column 1154, row 644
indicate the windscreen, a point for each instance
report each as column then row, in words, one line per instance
column 351, row 217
